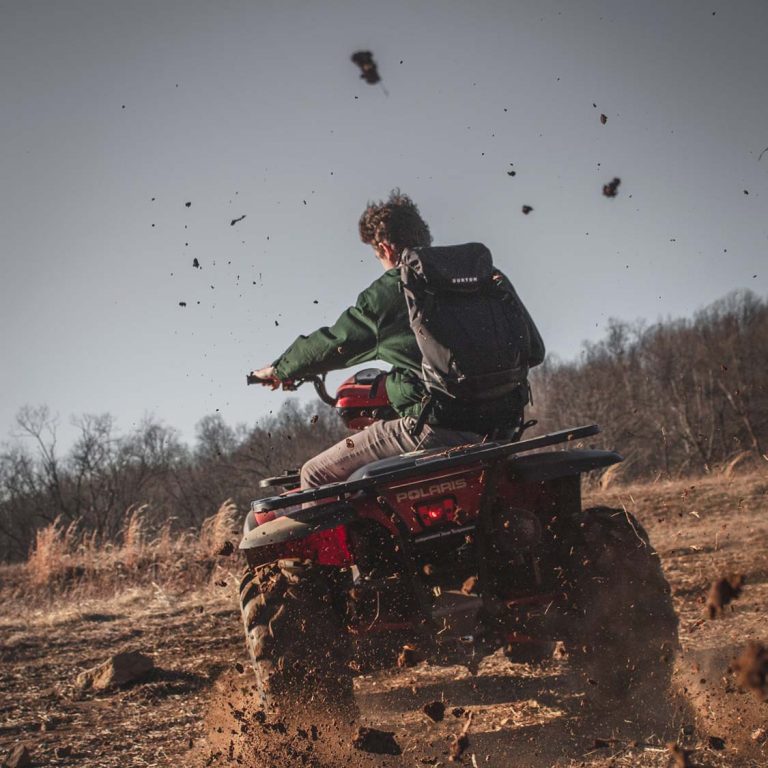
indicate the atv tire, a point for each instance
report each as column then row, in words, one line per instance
column 297, row 642
column 621, row 628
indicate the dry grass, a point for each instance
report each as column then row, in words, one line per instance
column 610, row 476
column 745, row 462
column 219, row 529
column 67, row 560
column 53, row 553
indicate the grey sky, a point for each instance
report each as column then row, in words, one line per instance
column 254, row 108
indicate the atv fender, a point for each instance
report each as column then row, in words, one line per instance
column 297, row 525
column 539, row 467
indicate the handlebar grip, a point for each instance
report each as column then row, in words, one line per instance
column 289, row 385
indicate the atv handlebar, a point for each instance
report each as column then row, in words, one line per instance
column 290, row 385
column 252, row 378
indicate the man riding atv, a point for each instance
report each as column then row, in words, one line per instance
column 451, row 553
column 380, row 326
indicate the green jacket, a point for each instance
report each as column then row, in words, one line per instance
column 376, row 328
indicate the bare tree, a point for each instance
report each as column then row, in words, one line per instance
column 675, row 397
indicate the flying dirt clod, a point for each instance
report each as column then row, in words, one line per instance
column 680, row 756
column 722, row 592
column 751, row 669
column 611, row 189
column 435, row 711
column 368, row 69
column 376, row 741
column 409, row 656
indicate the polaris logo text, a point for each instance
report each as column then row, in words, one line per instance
column 433, row 490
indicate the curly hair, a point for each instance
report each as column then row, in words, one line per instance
column 397, row 221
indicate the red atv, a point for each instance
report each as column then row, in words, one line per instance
column 462, row 549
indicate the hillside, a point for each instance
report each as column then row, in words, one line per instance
column 193, row 709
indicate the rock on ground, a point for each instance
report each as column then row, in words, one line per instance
column 120, row 669
column 18, row 757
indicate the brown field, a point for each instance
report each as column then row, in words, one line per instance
column 193, row 709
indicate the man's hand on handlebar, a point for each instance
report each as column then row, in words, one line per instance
column 264, row 376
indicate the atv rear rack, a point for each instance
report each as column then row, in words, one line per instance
column 377, row 473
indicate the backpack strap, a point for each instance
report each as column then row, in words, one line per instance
column 427, row 404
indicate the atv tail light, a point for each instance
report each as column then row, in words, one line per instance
column 436, row 512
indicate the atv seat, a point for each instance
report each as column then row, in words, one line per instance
column 407, row 461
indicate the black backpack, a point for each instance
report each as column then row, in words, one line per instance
column 470, row 325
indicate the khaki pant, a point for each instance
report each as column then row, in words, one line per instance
column 379, row 441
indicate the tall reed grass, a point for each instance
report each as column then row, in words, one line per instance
column 65, row 558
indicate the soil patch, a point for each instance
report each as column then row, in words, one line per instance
column 197, row 707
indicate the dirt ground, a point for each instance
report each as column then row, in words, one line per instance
column 196, row 708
